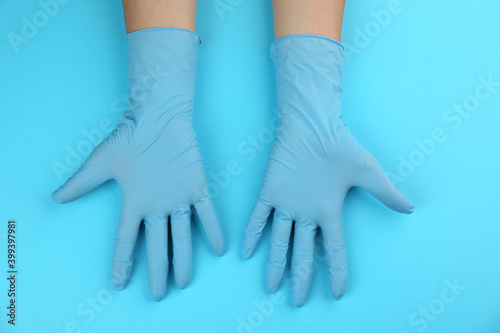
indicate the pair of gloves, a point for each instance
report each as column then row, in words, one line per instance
column 154, row 156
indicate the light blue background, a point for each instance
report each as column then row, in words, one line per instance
column 396, row 90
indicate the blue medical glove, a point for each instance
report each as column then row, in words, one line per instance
column 314, row 161
column 154, row 156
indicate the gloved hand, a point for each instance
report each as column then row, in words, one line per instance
column 314, row 161
column 154, row 156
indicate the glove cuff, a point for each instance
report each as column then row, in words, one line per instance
column 161, row 71
column 162, row 28
column 308, row 77
column 306, row 35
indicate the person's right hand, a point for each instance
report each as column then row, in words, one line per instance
column 154, row 156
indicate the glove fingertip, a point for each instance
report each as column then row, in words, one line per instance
column 58, row 196
column 246, row 252
column 299, row 301
column 272, row 287
column 158, row 295
column 219, row 249
column 119, row 285
column 121, row 274
column 404, row 205
column 410, row 209
column 182, row 283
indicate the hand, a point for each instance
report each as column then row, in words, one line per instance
column 314, row 161
column 154, row 156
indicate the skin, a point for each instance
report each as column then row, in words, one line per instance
column 314, row 17
column 145, row 14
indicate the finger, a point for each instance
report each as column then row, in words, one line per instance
column 124, row 248
column 255, row 225
column 374, row 180
column 181, row 239
column 278, row 247
column 302, row 260
column 91, row 174
column 208, row 217
column 157, row 254
column 333, row 240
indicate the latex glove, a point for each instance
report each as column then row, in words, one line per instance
column 154, row 156
column 314, row 161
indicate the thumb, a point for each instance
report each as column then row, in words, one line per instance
column 91, row 174
column 375, row 181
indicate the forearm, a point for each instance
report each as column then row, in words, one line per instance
column 315, row 17
column 144, row 14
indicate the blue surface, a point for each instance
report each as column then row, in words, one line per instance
column 398, row 85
